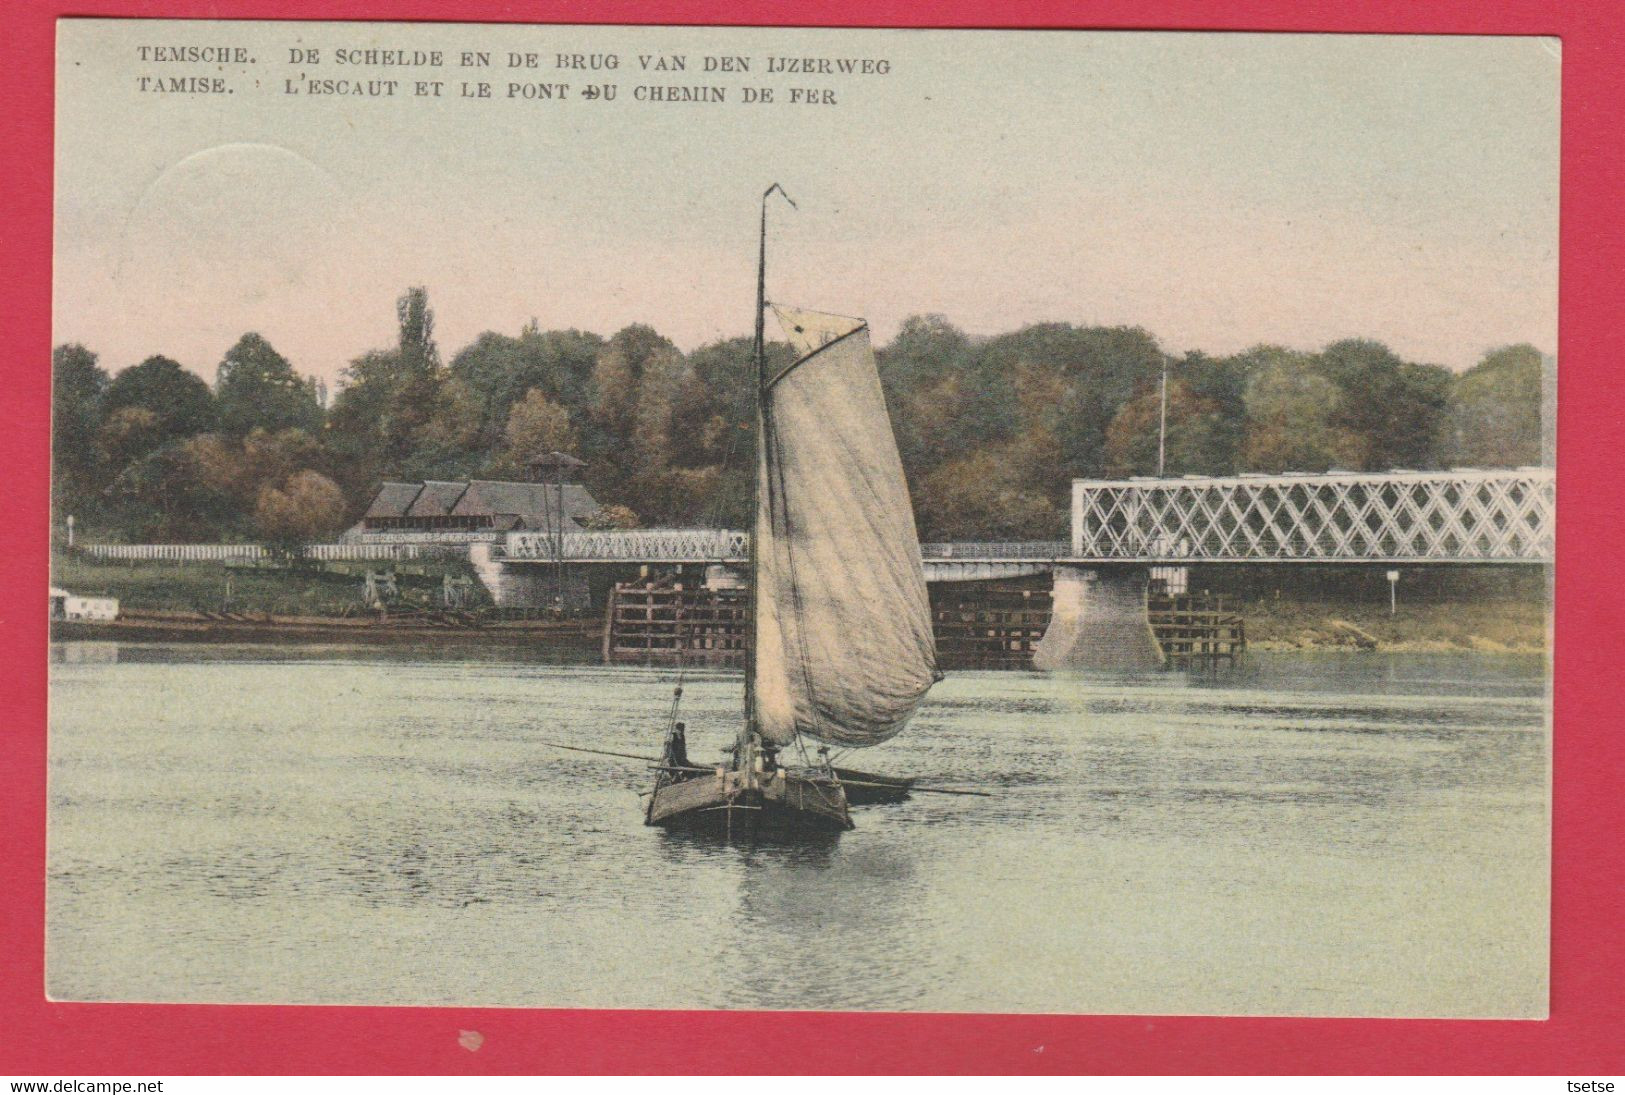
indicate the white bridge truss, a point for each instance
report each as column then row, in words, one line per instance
column 1458, row 516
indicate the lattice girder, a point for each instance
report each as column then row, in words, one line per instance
column 1463, row 515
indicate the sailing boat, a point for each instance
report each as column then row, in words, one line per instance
column 841, row 650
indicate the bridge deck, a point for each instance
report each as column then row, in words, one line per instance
column 1463, row 516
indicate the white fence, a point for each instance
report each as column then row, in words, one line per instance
column 244, row 552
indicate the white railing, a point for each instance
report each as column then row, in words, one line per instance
column 727, row 546
column 998, row 551
column 244, row 552
column 1461, row 515
column 654, row 545
column 388, row 536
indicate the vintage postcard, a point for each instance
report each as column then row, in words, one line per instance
column 650, row 517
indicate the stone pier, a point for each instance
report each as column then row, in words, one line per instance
column 1099, row 621
column 527, row 585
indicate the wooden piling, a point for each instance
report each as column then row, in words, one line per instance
column 663, row 623
column 977, row 626
column 1197, row 631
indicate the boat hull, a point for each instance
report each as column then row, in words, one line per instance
column 740, row 804
column 870, row 789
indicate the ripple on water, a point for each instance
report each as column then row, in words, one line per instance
column 1312, row 835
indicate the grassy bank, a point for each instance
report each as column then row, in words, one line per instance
column 1298, row 620
column 317, row 589
column 1487, row 625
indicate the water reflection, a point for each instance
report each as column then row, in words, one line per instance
column 810, row 849
column 833, row 928
column 84, row 653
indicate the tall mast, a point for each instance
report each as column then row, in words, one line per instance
column 759, row 378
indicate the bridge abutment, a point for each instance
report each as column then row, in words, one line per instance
column 527, row 586
column 1099, row 620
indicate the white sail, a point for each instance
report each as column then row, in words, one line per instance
column 844, row 649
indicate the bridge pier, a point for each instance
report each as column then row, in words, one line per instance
column 1099, row 621
column 526, row 585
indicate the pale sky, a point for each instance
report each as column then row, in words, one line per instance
column 1220, row 190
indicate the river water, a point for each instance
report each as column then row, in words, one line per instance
column 1315, row 834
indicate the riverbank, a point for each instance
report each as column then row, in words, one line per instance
column 411, row 629
column 216, row 601
column 318, row 589
column 1500, row 626
column 1493, row 627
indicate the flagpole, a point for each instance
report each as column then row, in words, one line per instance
column 1162, row 426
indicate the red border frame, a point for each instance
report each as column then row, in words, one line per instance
column 1588, row 894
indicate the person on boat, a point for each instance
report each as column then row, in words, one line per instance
column 676, row 752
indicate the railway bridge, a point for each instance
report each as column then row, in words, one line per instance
column 1122, row 528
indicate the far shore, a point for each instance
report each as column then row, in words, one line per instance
column 178, row 626
column 1483, row 626
column 1473, row 627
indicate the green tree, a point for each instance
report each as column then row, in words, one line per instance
column 1199, row 435
column 270, row 458
column 636, row 378
column 536, row 425
column 499, row 370
column 714, row 444
column 234, row 471
column 1292, row 413
column 160, row 496
column 256, row 388
column 180, row 401
column 389, row 397
column 985, row 494
column 1098, row 370
column 221, row 468
column 1220, row 383
column 447, row 444
column 926, row 349
column 128, row 434
column 929, row 374
column 633, row 354
column 415, row 320
column 1395, row 408
column 77, row 386
column 1493, row 416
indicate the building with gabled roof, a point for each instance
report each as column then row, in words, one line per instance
column 477, row 505
column 551, row 500
column 435, row 499
column 469, row 514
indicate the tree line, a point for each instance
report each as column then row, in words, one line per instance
column 991, row 429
